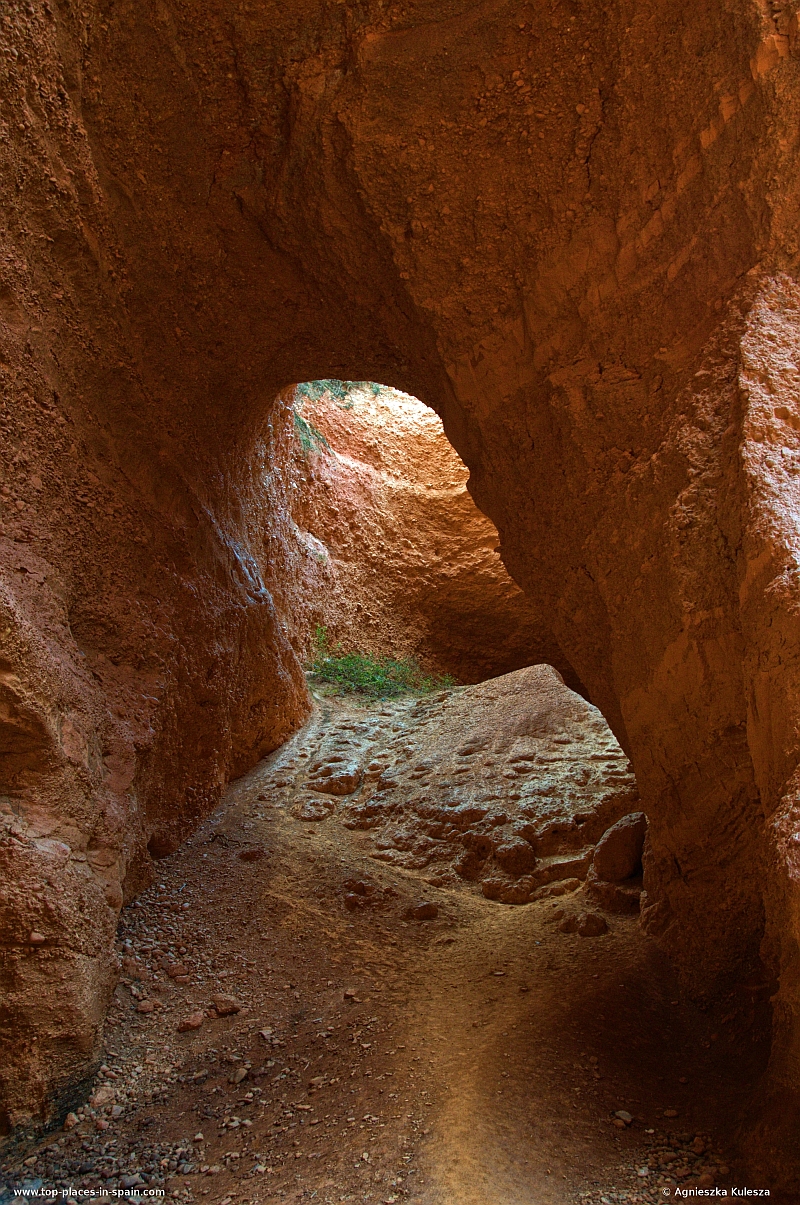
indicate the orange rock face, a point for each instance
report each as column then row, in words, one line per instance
column 373, row 536
column 572, row 230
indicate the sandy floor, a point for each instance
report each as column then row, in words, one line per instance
column 474, row 1058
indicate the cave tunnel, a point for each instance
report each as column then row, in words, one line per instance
column 571, row 231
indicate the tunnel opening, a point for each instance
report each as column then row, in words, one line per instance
column 201, row 206
column 376, row 546
column 443, row 867
column 393, row 585
column 404, row 950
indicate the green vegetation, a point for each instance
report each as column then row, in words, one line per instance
column 315, row 389
column 339, row 390
column 311, row 440
column 373, row 677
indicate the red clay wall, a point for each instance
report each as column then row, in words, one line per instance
column 571, row 229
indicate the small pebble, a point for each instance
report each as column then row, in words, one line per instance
column 192, row 1021
column 226, row 1006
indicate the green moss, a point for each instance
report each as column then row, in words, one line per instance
column 311, row 440
column 373, row 677
column 339, row 390
column 315, row 389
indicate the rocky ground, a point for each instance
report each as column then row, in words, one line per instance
column 324, row 997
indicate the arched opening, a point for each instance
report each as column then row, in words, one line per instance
column 419, row 914
column 476, row 205
column 375, row 538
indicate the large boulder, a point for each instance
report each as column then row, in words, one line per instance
column 618, row 855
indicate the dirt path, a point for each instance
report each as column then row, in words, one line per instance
column 292, row 1025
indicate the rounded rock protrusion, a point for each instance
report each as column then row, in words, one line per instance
column 592, row 924
column 191, row 1022
column 515, row 856
column 618, row 855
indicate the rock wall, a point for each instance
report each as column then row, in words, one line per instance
column 569, row 228
column 371, row 534
column 142, row 663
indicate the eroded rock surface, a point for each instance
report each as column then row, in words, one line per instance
column 371, row 534
column 508, row 785
column 573, row 230
column 619, row 852
column 298, row 1017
